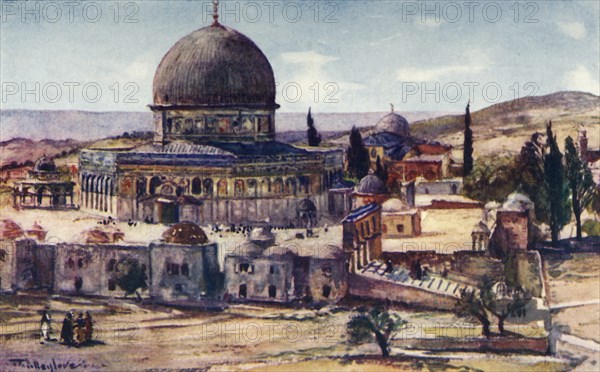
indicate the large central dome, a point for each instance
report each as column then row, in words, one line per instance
column 215, row 66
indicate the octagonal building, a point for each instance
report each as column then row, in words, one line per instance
column 214, row 157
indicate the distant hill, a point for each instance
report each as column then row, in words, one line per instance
column 503, row 127
column 87, row 125
column 506, row 126
column 77, row 125
column 19, row 150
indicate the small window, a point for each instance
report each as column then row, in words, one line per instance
column 2, row 255
column 110, row 267
column 400, row 228
column 368, row 227
column 71, row 264
column 244, row 267
column 326, row 291
column 112, row 284
column 185, row 269
column 80, row 263
column 272, row 291
column 326, row 271
column 78, row 283
column 243, row 292
column 179, row 287
column 272, row 269
column 168, row 268
column 175, row 269
column 374, row 221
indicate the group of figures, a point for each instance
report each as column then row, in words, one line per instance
column 74, row 331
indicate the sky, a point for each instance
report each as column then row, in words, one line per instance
column 336, row 56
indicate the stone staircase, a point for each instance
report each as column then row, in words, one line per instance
column 430, row 283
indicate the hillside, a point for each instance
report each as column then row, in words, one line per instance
column 89, row 126
column 77, row 125
column 504, row 127
column 20, row 150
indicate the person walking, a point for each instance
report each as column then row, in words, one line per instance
column 45, row 325
column 66, row 333
column 89, row 326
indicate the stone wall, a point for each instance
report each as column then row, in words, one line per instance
column 365, row 287
column 34, row 265
column 469, row 267
column 7, row 265
column 91, row 269
column 182, row 272
column 264, row 279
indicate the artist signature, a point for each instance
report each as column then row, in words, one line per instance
column 52, row 365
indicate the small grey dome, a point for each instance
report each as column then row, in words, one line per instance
column 372, row 184
column 261, row 236
column 306, row 205
column 393, row 123
column 518, row 202
column 44, row 164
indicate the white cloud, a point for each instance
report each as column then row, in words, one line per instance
column 435, row 73
column 580, row 79
column 576, row 30
column 475, row 62
column 307, row 58
column 315, row 79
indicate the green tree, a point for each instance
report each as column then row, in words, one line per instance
column 493, row 178
column 357, row 156
column 470, row 304
column 530, row 178
column 468, row 144
column 130, row 277
column 580, row 180
column 376, row 323
column 556, row 185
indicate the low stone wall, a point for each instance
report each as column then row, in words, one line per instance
column 469, row 267
column 494, row 344
column 365, row 287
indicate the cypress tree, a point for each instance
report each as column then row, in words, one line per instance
column 468, row 144
column 580, row 181
column 314, row 138
column 380, row 170
column 357, row 156
column 557, row 187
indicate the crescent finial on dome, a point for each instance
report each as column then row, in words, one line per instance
column 215, row 13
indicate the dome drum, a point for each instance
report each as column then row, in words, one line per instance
column 204, row 125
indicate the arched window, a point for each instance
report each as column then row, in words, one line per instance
column 154, row 183
column 196, row 186
column 239, row 188
column 326, row 291
column 278, row 186
column 140, row 188
column 208, row 187
column 290, row 186
column 222, row 188
column 272, row 291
